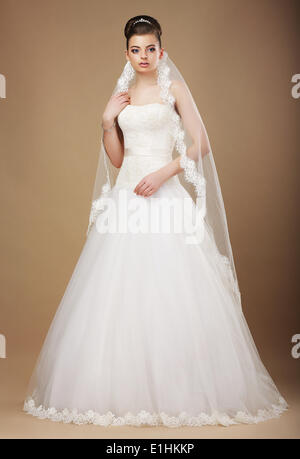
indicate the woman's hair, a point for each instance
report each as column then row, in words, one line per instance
column 142, row 28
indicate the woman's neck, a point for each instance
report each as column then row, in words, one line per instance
column 143, row 80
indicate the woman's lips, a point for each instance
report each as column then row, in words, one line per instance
column 144, row 64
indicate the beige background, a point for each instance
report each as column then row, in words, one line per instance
column 61, row 59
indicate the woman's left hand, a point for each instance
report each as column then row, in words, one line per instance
column 150, row 184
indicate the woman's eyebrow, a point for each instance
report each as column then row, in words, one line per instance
column 135, row 46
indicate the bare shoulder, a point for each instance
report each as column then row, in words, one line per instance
column 177, row 88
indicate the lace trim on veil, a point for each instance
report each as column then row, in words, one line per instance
column 191, row 174
column 153, row 419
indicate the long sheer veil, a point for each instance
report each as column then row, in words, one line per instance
column 199, row 175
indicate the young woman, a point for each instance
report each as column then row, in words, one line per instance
column 150, row 329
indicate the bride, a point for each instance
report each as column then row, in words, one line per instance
column 150, row 329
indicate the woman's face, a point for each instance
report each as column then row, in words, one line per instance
column 143, row 49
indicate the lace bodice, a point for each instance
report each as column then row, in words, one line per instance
column 148, row 141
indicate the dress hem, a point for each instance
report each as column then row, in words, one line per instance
column 152, row 419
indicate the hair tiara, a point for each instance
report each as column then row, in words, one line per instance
column 141, row 20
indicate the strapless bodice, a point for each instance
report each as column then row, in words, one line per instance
column 147, row 130
column 148, row 140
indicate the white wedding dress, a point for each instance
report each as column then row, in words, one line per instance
column 148, row 330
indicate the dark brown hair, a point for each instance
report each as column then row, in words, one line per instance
column 142, row 28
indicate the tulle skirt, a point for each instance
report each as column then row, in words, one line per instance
column 149, row 333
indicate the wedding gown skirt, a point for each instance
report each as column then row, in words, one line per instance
column 148, row 332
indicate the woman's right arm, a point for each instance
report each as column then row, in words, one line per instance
column 112, row 134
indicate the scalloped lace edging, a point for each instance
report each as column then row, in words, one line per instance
column 152, row 419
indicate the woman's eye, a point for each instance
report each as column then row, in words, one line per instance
column 136, row 50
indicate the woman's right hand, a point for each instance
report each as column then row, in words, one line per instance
column 115, row 105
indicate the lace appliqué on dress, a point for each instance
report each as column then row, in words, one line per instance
column 152, row 419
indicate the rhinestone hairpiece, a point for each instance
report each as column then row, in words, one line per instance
column 141, row 20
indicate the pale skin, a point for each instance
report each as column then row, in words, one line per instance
column 142, row 48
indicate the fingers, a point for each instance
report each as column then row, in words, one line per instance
column 144, row 189
column 147, row 190
column 124, row 100
column 123, row 96
column 149, row 193
column 141, row 187
column 137, row 188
